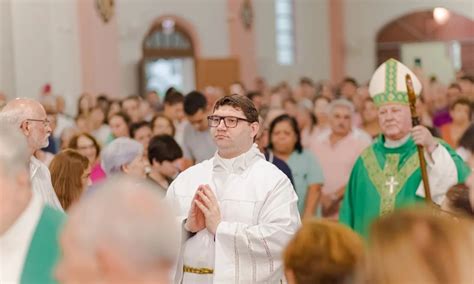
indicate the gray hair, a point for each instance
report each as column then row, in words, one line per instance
column 132, row 217
column 118, row 153
column 14, row 153
column 17, row 111
column 341, row 103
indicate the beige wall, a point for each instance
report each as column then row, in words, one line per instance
column 364, row 18
column 39, row 45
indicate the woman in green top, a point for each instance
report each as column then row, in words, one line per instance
column 285, row 142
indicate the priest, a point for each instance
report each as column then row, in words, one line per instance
column 238, row 211
column 28, row 228
column 387, row 174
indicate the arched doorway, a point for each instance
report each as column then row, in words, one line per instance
column 169, row 57
column 438, row 34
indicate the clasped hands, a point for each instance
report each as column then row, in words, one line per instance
column 204, row 211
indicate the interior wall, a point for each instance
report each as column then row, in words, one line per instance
column 7, row 67
column 39, row 45
column 364, row 18
column 311, row 37
column 208, row 17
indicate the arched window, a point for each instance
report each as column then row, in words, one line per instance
column 284, row 30
column 168, row 58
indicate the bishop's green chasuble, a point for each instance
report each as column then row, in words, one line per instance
column 43, row 252
column 384, row 179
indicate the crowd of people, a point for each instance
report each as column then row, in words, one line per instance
column 246, row 185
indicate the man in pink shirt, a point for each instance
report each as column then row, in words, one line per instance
column 337, row 150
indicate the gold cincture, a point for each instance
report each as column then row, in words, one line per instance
column 194, row 270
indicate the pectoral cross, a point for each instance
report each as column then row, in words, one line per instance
column 391, row 184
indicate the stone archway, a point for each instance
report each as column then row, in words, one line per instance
column 170, row 44
column 421, row 26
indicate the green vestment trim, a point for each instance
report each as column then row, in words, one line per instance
column 391, row 179
column 43, row 252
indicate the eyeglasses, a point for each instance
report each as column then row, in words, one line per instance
column 45, row 121
column 229, row 121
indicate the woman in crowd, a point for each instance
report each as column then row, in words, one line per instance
column 98, row 126
column 87, row 146
column 141, row 132
column 161, row 125
column 417, row 246
column 322, row 251
column 70, row 176
column 461, row 113
column 285, row 142
column 306, row 123
column 466, row 146
column 124, row 156
column 85, row 104
column 164, row 155
column 320, row 111
column 119, row 126
column 457, row 201
column 370, row 121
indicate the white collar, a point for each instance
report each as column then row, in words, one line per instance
column 238, row 164
column 395, row 143
column 35, row 164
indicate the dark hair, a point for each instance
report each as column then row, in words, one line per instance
column 133, row 128
column 294, row 125
column 159, row 115
column 458, row 198
column 455, row 86
column 193, row 102
column 123, row 115
column 173, row 97
column 467, row 139
column 163, row 148
column 351, row 81
column 252, row 95
column 75, row 138
column 241, row 103
column 468, row 78
column 306, row 81
column 170, row 90
column 463, row 101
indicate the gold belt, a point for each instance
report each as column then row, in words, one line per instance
column 194, row 270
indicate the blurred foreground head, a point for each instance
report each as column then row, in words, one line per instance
column 322, row 251
column 124, row 232
column 418, row 246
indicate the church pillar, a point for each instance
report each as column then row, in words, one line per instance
column 336, row 24
column 99, row 49
column 242, row 39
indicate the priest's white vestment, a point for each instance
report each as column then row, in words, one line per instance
column 259, row 216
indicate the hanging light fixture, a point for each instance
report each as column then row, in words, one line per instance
column 441, row 15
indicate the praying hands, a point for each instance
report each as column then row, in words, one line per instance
column 204, row 212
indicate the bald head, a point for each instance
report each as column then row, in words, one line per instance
column 29, row 116
column 126, row 221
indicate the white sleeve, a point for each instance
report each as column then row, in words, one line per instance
column 442, row 174
column 252, row 254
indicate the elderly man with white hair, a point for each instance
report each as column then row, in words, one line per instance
column 387, row 175
column 123, row 233
column 30, row 118
column 28, row 228
column 337, row 150
column 124, row 155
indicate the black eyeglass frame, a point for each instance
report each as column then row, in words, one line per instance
column 45, row 121
column 210, row 121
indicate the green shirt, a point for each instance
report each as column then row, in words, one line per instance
column 384, row 179
column 306, row 171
